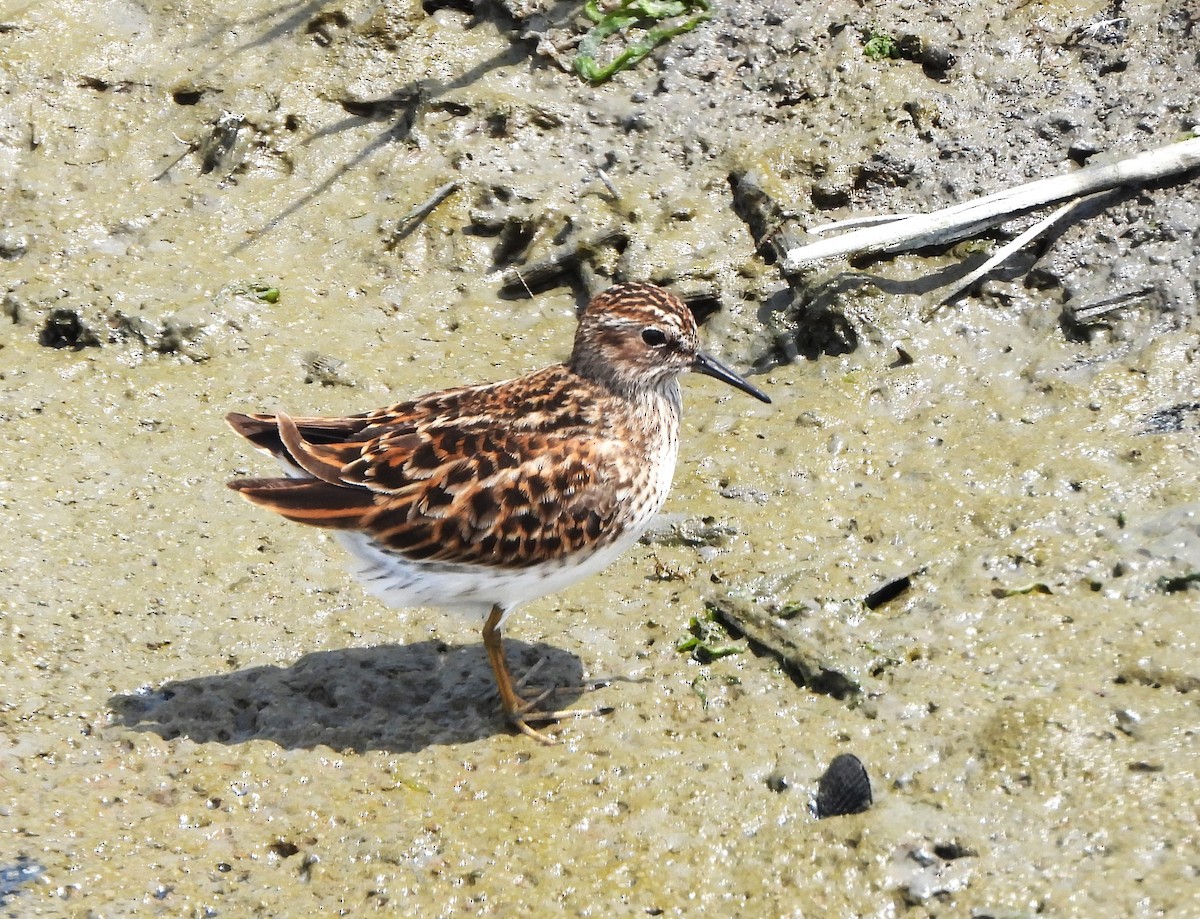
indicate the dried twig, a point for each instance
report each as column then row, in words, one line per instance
column 1000, row 256
column 409, row 221
column 963, row 220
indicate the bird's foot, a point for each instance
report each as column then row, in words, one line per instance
column 526, row 711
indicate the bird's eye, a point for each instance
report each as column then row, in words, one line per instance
column 654, row 337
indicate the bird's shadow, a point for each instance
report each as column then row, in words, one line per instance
column 397, row 698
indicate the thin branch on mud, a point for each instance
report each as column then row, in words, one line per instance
column 409, row 222
column 1000, row 257
column 963, row 220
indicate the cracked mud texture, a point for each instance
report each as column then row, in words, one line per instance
column 208, row 207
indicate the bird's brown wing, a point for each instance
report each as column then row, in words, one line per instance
column 462, row 490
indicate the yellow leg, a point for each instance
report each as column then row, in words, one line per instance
column 519, row 711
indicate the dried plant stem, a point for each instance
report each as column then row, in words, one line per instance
column 963, row 220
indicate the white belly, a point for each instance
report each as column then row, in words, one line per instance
column 469, row 589
column 474, row 590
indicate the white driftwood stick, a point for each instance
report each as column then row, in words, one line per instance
column 856, row 222
column 1001, row 256
column 962, row 220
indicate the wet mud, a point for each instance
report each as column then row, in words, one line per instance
column 325, row 207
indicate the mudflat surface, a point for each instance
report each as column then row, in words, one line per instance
column 209, row 207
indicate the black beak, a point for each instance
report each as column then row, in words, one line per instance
column 711, row 367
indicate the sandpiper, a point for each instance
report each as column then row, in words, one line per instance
column 481, row 498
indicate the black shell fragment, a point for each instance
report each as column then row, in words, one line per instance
column 845, row 788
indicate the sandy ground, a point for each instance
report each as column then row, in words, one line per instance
column 200, row 714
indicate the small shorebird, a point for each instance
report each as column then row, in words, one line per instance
column 481, row 498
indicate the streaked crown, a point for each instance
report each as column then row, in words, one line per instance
column 633, row 336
